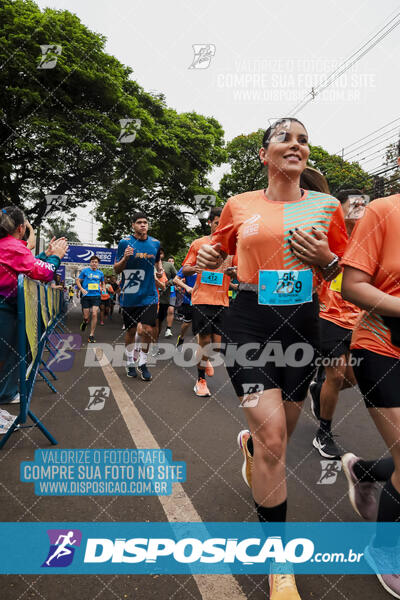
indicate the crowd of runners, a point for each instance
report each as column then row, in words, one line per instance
column 299, row 291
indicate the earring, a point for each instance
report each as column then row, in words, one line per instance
column 265, row 162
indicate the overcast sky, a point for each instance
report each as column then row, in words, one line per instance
column 267, row 57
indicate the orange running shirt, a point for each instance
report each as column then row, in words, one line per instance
column 374, row 248
column 204, row 293
column 257, row 230
column 333, row 308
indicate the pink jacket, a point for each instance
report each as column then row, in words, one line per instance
column 15, row 258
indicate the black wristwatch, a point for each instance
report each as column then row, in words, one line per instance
column 333, row 263
column 331, row 270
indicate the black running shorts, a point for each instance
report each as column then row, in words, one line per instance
column 335, row 340
column 187, row 311
column 378, row 378
column 90, row 301
column 208, row 319
column 162, row 312
column 132, row 315
column 282, row 344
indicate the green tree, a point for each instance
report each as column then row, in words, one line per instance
column 247, row 173
column 338, row 172
column 389, row 182
column 60, row 131
column 169, row 202
column 59, row 227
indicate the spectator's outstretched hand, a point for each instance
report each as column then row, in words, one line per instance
column 58, row 247
column 53, row 244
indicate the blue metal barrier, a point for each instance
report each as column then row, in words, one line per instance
column 39, row 312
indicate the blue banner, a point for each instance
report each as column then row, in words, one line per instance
column 208, row 548
column 83, row 254
column 61, row 271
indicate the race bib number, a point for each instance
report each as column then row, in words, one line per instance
column 133, row 280
column 284, row 287
column 212, row 278
column 336, row 284
column 93, row 286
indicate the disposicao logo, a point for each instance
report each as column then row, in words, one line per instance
column 62, row 547
column 191, row 550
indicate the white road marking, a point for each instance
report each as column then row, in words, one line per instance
column 177, row 506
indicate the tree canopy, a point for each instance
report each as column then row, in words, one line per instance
column 75, row 127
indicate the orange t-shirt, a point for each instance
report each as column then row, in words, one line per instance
column 106, row 295
column 204, row 293
column 333, row 308
column 375, row 248
column 257, row 230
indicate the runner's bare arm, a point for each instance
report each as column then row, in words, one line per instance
column 159, row 268
column 178, row 281
column 80, row 288
column 358, row 289
column 121, row 264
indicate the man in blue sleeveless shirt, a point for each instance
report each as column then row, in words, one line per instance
column 136, row 258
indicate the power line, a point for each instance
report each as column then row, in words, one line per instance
column 369, row 145
column 369, row 135
column 339, row 71
column 384, row 145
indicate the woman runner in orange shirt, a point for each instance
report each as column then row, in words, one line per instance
column 276, row 310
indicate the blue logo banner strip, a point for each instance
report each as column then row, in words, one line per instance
column 208, row 548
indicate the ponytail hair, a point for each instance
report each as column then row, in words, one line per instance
column 10, row 218
column 311, row 179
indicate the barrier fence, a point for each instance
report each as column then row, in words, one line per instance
column 40, row 312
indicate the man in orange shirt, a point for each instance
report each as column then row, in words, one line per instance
column 337, row 322
column 209, row 299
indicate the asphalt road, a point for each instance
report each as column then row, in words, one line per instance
column 201, row 432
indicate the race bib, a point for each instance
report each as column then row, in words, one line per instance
column 212, row 278
column 336, row 284
column 93, row 286
column 285, row 287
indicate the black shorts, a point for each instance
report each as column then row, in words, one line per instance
column 132, row 315
column 335, row 340
column 90, row 301
column 187, row 311
column 208, row 319
column 378, row 378
column 162, row 312
column 106, row 302
column 282, row 345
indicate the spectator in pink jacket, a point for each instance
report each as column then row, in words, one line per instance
column 16, row 258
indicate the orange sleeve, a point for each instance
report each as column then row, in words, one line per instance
column 226, row 232
column 337, row 233
column 366, row 241
column 191, row 256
